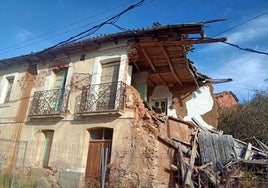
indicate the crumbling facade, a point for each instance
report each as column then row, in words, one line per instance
column 103, row 110
column 226, row 100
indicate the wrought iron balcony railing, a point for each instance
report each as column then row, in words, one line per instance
column 49, row 102
column 106, row 97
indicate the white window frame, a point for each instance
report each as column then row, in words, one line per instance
column 159, row 100
column 4, row 88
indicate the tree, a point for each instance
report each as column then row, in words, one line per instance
column 249, row 120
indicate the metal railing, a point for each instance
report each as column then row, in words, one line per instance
column 101, row 98
column 49, row 102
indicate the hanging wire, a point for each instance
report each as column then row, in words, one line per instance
column 245, row 49
column 238, row 25
column 33, row 40
column 93, row 29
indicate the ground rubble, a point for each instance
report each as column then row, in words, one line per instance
column 213, row 159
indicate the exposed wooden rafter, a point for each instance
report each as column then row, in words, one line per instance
column 161, row 79
column 150, row 82
column 166, row 69
column 171, row 66
column 136, row 66
column 148, row 59
column 180, row 42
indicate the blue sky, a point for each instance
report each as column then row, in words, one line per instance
column 33, row 25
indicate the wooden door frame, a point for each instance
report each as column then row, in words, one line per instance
column 90, row 176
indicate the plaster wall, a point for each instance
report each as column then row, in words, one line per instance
column 162, row 92
column 70, row 139
column 8, row 111
column 200, row 104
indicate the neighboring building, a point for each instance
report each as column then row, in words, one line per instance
column 69, row 102
column 226, row 100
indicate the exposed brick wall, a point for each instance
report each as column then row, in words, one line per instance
column 226, row 100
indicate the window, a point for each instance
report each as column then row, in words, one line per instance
column 7, row 85
column 82, row 57
column 161, row 104
column 101, row 134
column 60, row 79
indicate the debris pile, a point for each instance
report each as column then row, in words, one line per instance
column 213, row 159
column 167, row 151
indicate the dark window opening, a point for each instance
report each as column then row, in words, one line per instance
column 82, row 57
column 101, row 134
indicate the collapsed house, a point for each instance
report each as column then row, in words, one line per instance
column 121, row 110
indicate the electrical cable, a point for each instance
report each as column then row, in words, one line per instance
column 30, row 41
column 245, row 49
column 235, row 26
column 95, row 28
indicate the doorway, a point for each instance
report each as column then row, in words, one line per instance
column 46, row 148
column 100, row 141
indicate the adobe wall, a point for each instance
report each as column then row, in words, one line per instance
column 144, row 161
column 226, row 100
column 189, row 101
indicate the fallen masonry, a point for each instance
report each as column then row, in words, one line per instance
column 213, row 159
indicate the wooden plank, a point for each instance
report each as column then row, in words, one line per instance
column 248, row 151
column 261, row 144
column 180, row 42
column 137, row 67
column 148, row 59
column 173, row 167
column 188, row 123
column 161, row 79
column 188, row 179
column 216, row 148
column 181, row 162
column 171, row 66
column 173, row 143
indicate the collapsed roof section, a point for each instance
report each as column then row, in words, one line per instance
column 160, row 50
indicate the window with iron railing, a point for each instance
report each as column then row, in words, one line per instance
column 49, row 102
column 101, row 98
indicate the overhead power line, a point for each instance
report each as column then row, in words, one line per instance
column 245, row 49
column 48, row 34
column 242, row 23
column 95, row 28
column 238, row 25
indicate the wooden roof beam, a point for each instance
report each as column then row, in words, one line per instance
column 150, row 82
column 165, row 69
column 170, row 66
column 148, row 59
column 136, row 66
column 180, row 42
column 161, row 79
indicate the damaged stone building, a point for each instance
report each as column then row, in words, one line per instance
column 101, row 111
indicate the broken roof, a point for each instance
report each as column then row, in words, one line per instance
column 160, row 50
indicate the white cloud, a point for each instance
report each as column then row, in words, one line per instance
column 251, row 31
column 248, row 70
column 22, row 34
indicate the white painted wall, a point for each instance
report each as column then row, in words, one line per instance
column 201, row 103
column 162, row 92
